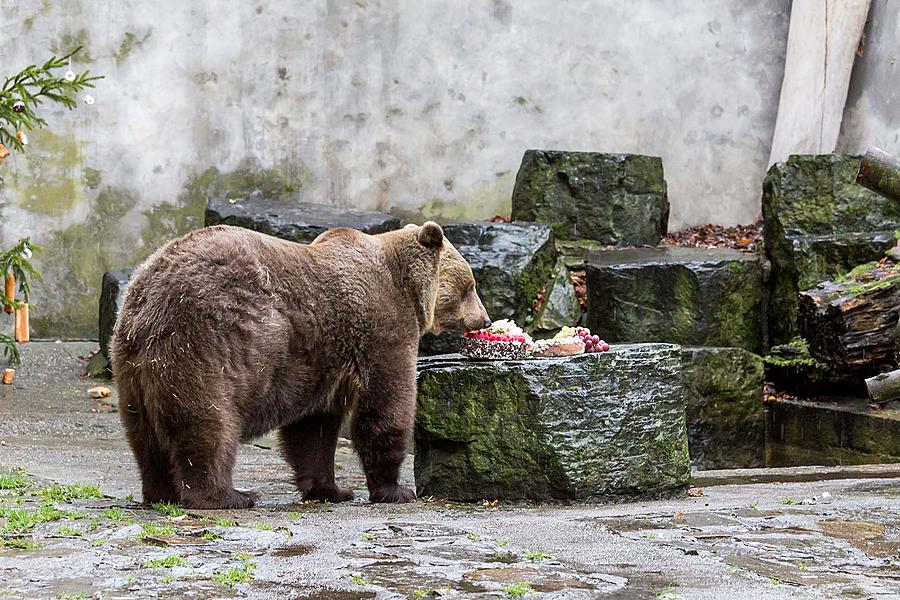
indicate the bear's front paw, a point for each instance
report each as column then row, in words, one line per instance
column 392, row 493
column 328, row 494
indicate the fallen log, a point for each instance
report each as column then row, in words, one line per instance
column 884, row 387
column 850, row 325
column 880, row 172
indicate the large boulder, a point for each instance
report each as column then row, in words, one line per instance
column 112, row 296
column 295, row 221
column 511, row 263
column 818, row 225
column 606, row 426
column 612, row 198
column 726, row 418
column 689, row 296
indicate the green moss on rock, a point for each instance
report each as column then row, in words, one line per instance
column 818, row 225
column 611, row 198
column 726, row 418
column 604, row 426
column 710, row 297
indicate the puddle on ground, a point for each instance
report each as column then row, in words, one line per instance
column 437, row 557
column 853, row 552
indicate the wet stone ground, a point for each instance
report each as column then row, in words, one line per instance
column 70, row 528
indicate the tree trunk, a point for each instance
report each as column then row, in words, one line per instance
column 880, row 172
column 851, row 326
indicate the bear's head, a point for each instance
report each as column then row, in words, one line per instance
column 450, row 303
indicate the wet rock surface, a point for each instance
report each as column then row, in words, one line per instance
column 689, row 296
column 741, row 542
column 611, row 198
column 560, row 305
column 605, row 426
column 295, row 221
column 112, row 296
column 818, row 224
column 726, row 418
column 831, row 431
column 510, row 261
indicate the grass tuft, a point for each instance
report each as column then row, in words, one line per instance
column 235, row 575
column 75, row 491
column 517, row 590
column 168, row 509
column 167, row 562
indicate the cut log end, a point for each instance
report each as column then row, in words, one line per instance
column 884, row 387
column 880, row 172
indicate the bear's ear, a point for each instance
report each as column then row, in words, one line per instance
column 431, row 235
column 410, row 226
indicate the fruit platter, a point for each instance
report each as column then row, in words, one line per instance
column 504, row 340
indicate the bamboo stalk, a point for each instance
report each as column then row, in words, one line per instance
column 880, row 172
column 22, row 333
column 10, row 293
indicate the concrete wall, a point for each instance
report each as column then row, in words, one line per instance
column 872, row 113
column 420, row 107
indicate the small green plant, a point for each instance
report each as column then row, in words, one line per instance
column 129, row 498
column 225, row 522
column 502, row 543
column 295, row 516
column 474, row 537
column 166, row 579
column 517, row 590
column 99, row 542
column 114, row 514
column 790, row 501
column 210, row 536
column 422, row 594
column 16, row 266
column 168, row 562
column 168, row 509
column 70, row 596
column 368, row 537
column 538, row 556
column 19, row 543
column 151, row 529
column 23, row 519
column 14, row 479
column 358, row 580
column 802, row 566
column 648, row 536
column 234, row 575
column 69, row 530
column 75, row 491
column 261, row 525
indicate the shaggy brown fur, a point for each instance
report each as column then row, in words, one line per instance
column 226, row 334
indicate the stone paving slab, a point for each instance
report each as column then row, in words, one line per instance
column 733, row 541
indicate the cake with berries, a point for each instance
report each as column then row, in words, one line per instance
column 569, row 342
column 503, row 340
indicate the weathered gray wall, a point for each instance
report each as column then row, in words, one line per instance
column 421, row 107
column 872, row 113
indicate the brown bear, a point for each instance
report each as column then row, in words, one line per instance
column 226, row 334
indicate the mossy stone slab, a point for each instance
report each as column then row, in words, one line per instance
column 295, row 221
column 611, row 198
column 689, row 296
column 726, row 418
column 607, row 426
column 818, row 225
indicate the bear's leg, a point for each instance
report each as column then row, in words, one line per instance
column 152, row 457
column 203, row 466
column 308, row 446
column 382, row 427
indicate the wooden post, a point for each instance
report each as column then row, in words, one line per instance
column 884, row 387
column 22, row 334
column 880, row 172
column 10, row 293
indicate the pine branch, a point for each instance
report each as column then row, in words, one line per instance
column 22, row 93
